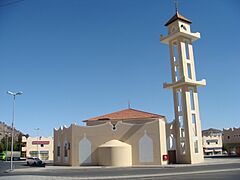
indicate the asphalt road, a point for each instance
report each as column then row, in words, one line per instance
column 5, row 166
column 213, row 171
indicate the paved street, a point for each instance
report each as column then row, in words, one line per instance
column 4, row 166
column 211, row 169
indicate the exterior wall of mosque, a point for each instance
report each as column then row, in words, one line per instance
column 79, row 145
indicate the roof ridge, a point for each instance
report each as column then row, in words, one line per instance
column 128, row 113
column 178, row 16
column 146, row 112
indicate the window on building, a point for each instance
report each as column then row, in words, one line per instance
column 42, row 145
column 176, row 61
column 208, row 143
column 181, row 122
column 193, row 118
column 191, row 92
column 181, row 127
column 228, row 137
column 196, row 146
column 65, row 150
column 177, row 73
column 179, row 98
column 175, row 52
column 187, row 50
column 194, row 124
column 58, row 151
column 182, row 134
column 182, row 147
column 34, row 153
column 189, row 71
column 44, row 155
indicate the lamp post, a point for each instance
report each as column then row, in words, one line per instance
column 13, row 94
column 37, row 129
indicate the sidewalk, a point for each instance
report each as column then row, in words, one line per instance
column 207, row 161
column 209, row 166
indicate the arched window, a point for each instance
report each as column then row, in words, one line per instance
column 145, row 148
column 85, row 151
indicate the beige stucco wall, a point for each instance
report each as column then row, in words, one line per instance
column 29, row 146
column 187, row 125
column 212, row 143
column 231, row 135
column 139, row 136
column 115, row 153
column 61, row 136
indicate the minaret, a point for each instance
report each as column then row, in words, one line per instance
column 188, row 132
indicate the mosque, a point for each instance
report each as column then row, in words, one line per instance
column 133, row 137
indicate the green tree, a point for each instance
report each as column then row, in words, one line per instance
column 1, row 147
column 6, row 141
column 17, row 144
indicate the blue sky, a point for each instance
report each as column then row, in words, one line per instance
column 81, row 58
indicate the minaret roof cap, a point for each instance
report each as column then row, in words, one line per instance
column 176, row 17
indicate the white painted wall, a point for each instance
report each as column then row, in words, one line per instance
column 145, row 148
column 85, row 151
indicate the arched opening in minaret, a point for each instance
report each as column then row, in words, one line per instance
column 181, row 121
column 175, row 57
column 194, row 125
column 189, row 71
column 192, row 99
column 187, row 50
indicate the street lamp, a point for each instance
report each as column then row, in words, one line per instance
column 14, row 94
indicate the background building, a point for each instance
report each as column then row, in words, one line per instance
column 41, row 147
column 212, row 141
column 231, row 140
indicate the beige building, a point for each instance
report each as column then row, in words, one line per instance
column 123, row 138
column 231, row 140
column 133, row 137
column 212, row 141
column 41, row 147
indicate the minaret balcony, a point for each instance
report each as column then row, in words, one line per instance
column 184, row 82
column 169, row 38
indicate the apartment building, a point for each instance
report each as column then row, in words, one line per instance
column 231, row 140
column 41, row 147
column 212, row 141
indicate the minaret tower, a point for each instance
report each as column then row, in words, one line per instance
column 188, row 132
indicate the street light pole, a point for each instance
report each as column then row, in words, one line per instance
column 7, row 147
column 13, row 117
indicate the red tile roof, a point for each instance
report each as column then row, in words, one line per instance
column 126, row 114
column 178, row 16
